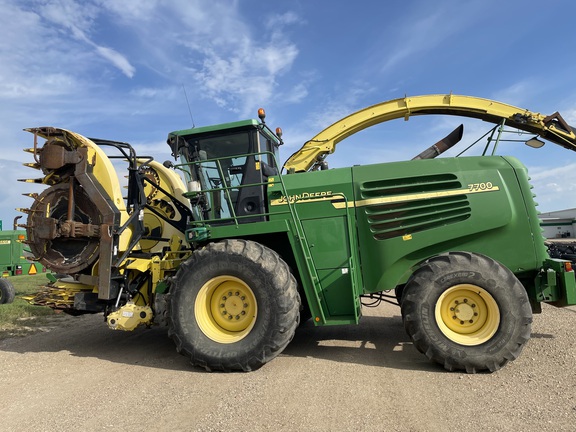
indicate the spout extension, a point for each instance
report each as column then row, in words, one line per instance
column 444, row 144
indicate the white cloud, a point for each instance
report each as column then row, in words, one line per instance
column 211, row 45
column 296, row 94
column 79, row 19
column 345, row 102
column 27, row 50
column 519, row 93
column 422, row 29
column 552, row 174
column 129, row 10
column 243, row 80
column 570, row 116
column 422, row 35
column 553, row 188
column 424, row 32
column 276, row 21
column 275, row 58
column 116, row 59
column 206, row 45
column 70, row 14
column 59, row 61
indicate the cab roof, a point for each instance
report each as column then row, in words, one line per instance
column 215, row 128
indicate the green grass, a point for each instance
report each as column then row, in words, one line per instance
column 20, row 318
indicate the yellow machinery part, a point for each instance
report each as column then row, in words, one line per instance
column 467, row 314
column 72, row 224
column 551, row 127
column 83, row 201
column 101, row 165
column 59, row 295
column 66, row 222
column 226, row 309
column 130, row 316
column 170, row 182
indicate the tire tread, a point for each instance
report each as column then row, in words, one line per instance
column 287, row 304
column 420, row 282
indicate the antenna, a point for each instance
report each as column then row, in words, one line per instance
column 188, row 103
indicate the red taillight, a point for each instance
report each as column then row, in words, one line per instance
column 568, row 266
column 18, row 270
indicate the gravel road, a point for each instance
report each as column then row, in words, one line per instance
column 81, row 376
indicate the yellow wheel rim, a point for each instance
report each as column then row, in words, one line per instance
column 467, row 314
column 225, row 309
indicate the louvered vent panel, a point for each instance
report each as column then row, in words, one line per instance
column 411, row 205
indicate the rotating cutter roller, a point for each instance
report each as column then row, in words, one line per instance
column 68, row 222
column 82, row 218
column 64, row 242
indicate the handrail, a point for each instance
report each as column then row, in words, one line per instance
column 295, row 220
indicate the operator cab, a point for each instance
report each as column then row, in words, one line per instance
column 226, row 168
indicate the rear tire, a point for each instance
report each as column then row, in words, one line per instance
column 7, row 291
column 234, row 306
column 466, row 312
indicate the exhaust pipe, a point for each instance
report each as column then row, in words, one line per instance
column 444, row 144
column 16, row 222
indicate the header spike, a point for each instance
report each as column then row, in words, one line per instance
column 32, row 165
column 38, row 180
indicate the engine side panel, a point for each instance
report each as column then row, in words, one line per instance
column 419, row 209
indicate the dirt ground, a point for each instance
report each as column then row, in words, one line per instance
column 83, row 376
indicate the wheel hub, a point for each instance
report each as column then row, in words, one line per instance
column 226, row 309
column 467, row 314
column 233, row 307
column 464, row 311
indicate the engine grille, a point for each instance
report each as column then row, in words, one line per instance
column 413, row 204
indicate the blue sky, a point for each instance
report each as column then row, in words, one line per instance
column 116, row 70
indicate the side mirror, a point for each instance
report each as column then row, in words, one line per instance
column 534, row 143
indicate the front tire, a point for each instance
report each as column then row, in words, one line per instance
column 7, row 291
column 234, row 306
column 466, row 312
